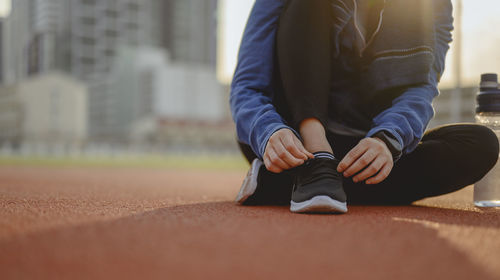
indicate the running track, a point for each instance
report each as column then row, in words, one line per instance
column 109, row 223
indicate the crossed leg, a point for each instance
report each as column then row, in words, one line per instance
column 447, row 159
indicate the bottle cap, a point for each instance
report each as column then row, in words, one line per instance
column 488, row 99
column 489, row 80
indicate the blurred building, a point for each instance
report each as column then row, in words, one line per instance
column 190, row 30
column 80, row 37
column 189, row 92
column 34, row 39
column 44, row 110
column 445, row 110
column 98, row 29
column 48, row 47
column 15, row 34
column 143, row 62
column 153, row 88
column 11, row 117
column 133, row 91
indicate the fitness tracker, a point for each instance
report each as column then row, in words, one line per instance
column 392, row 143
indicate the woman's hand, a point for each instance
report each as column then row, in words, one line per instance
column 284, row 151
column 372, row 156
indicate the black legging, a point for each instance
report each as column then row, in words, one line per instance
column 447, row 159
column 304, row 57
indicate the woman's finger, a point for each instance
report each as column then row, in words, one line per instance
column 370, row 170
column 276, row 160
column 360, row 163
column 381, row 176
column 270, row 166
column 291, row 146
column 284, row 154
column 301, row 147
column 352, row 156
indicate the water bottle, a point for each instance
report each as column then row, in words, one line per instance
column 487, row 190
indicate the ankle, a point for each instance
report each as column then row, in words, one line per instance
column 313, row 133
column 319, row 148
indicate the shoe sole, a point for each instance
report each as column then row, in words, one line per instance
column 250, row 183
column 319, row 204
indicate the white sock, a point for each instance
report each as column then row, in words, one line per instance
column 323, row 155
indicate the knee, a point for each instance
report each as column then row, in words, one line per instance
column 247, row 152
column 489, row 145
column 484, row 149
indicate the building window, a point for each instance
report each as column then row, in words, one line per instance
column 111, row 33
column 88, row 41
column 88, row 20
column 132, row 25
column 87, row 60
column 89, row 2
column 133, row 6
column 111, row 13
column 109, row 52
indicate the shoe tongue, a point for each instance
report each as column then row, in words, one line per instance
column 318, row 169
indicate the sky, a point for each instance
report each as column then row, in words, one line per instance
column 5, row 6
column 481, row 39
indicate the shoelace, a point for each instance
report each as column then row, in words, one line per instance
column 317, row 169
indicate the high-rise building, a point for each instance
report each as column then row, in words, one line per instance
column 86, row 37
column 49, row 45
column 15, row 31
column 34, row 39
column 190, row 30
column 98, row 29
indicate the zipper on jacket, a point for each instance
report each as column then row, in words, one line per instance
column 356, row 25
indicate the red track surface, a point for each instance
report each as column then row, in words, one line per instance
column 84, row 223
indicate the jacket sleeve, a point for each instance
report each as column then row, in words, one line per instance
column 411, row 112
column 251, row 95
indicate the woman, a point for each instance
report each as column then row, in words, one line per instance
column 331, row 100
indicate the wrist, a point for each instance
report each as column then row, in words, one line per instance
column 391, row 143
column 380, row 140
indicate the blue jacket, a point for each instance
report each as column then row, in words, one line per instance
column 253, row 85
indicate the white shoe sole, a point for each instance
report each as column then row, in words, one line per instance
column 250, row 183
column 319, row 204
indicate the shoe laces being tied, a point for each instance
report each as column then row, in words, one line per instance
column 317, row 169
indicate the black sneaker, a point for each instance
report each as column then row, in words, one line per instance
column 262, row 187
column 318, row 188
